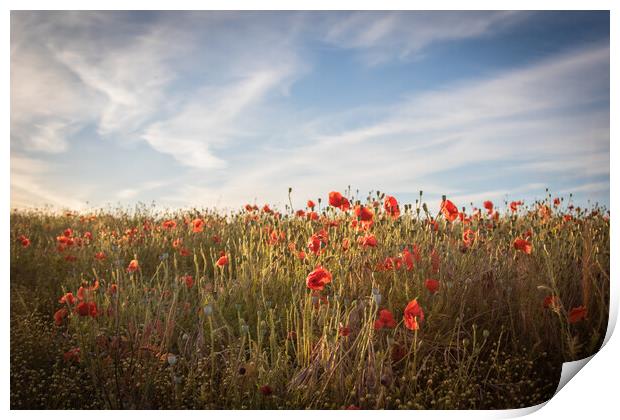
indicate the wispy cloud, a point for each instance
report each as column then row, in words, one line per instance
column 216, row 96
column 27, row 190
column 211, row 118
column 519, row 120
column 394, row 35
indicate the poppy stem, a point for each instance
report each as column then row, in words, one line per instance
column 415, row 354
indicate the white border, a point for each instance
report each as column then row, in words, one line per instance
column 594, row 393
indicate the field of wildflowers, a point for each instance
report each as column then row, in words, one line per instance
column 347, row 303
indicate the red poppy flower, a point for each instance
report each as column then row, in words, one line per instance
column 87, row 309
column 301, row 255
column 177, row 243
column 314, row 244
column 385, row 320
column 188, row 280
column 407, row 258
column 24, row 241
column 312, row 215
column 318, row 278
column 344, row 331
column 337, row 200
column 577, row 314
column 67, row 298
column 266, row 390
column 367, row 241
column 133, row 266
column 169, row 224
column 198, row 225
column 68, row 232
column 413, row 315
column 83, row 292
column 489, row 206
column 556, row 202
column 266, row 209
column 449, row 210
column 469, row 236
column 552, row 302
column 72, row 355
column 346, row 244
column 432, row 285
column 184, row 252
column 112, row 289
column 523, row 245
column 364, row 213
column 222, row 261
column 310, row 204
column 514, row 205
column 390, row 264
column 100, row 256
column 390, row 205
column 300, row 213
column 60, row 315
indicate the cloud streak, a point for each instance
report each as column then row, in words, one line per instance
column 219, row 97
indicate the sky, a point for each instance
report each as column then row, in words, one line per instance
column 219, row 109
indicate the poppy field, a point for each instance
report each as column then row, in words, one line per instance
column 350, row 302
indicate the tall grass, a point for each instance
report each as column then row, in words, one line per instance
column 250, row 334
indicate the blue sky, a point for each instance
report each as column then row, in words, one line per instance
column 218, row 109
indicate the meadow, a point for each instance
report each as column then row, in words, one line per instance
column 346, row 303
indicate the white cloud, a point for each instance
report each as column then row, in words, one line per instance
column 201, row 95
column 211, row 117
column 524, row 121
column 397, row 35
column 28, row 191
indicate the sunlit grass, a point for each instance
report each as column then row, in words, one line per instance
column 216, row 311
